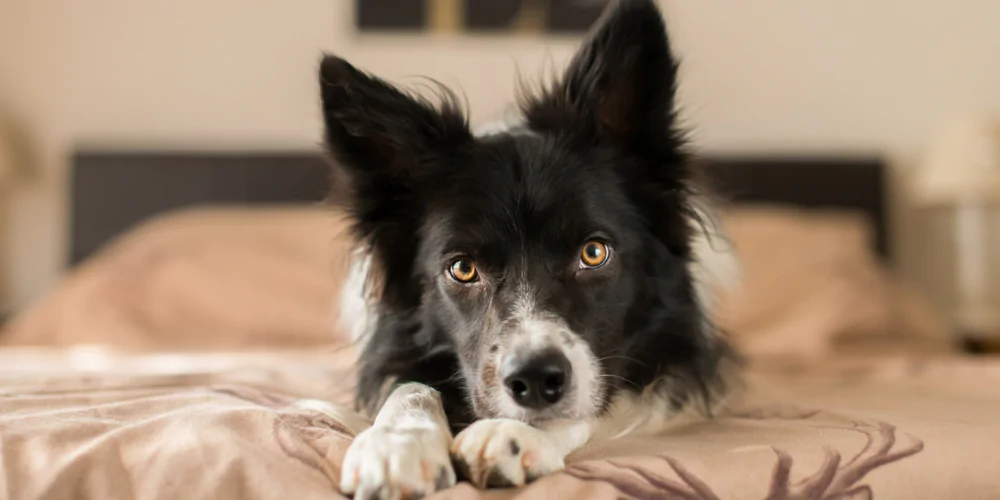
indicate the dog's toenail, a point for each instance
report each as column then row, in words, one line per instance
column 441, row 481
column 498, row 480
column 462, row 469
column 514, row 448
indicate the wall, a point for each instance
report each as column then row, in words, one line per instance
column 846, row 75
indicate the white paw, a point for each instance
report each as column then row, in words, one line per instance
column 397, row 463
column 501, row 452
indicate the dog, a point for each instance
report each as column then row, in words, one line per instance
column 526, row 290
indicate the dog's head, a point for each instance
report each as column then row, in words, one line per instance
column 551, row 258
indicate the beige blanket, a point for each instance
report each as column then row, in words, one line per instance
column 853, row 391
column 245, row 426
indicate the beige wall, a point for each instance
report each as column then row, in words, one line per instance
column 857, row 75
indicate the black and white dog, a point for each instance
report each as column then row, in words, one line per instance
column 533, row 288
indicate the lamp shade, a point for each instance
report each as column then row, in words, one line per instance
column 962, row 164
column 17, row 159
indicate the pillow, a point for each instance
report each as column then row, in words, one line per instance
column 237, row 277
column 813, row 288
column 218, row 277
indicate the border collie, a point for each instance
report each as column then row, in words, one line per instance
column 526, row 290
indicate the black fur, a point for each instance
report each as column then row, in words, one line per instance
column 602, row 158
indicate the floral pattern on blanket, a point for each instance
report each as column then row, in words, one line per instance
column 834, row 480
column 313, row 434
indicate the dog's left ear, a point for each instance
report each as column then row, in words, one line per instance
column 619, row 88
column 380, row 133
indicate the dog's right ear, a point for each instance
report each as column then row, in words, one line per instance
column 381, row 139
column 378, row 135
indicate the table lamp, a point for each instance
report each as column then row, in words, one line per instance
column 961, row 175
column 16, row 165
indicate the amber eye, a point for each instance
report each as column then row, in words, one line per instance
column 594, row 254
column 463, row 271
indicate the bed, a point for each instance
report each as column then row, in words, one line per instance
column 192, row 349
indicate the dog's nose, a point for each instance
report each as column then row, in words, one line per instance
column 537, row 381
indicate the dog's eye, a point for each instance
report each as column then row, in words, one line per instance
column 463, row 271
column 594, row 254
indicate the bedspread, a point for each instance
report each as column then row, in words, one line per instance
column 276, row 425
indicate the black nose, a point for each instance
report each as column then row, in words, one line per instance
column 537, row 381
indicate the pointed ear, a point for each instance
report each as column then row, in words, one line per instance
column 381, row 140
column 377, row 133
column 619, row 87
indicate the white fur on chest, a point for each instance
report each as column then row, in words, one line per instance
column 357, row 314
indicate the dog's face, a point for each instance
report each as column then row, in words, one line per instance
column 551, row 258
column 531, row 260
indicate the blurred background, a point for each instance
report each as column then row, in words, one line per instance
column 872, row 79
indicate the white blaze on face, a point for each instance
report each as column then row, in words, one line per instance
column 532, row 333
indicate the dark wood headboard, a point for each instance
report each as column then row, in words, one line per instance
column 848, row 183
column 113, row 191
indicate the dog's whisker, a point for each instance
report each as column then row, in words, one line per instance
column 626, row 358
column 455, row 377
column 623, row 379
column 605, row 358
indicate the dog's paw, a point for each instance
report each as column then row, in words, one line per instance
column 501, row 452
column 397, row 463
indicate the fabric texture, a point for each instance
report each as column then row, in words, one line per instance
column 812, row 288
column 275, row 426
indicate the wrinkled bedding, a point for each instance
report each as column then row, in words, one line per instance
column 198, row 357
column 276, row 425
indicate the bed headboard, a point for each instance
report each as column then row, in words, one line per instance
column 112, row 191
column 847, row 183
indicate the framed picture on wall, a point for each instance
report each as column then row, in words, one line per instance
column 514, row 17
